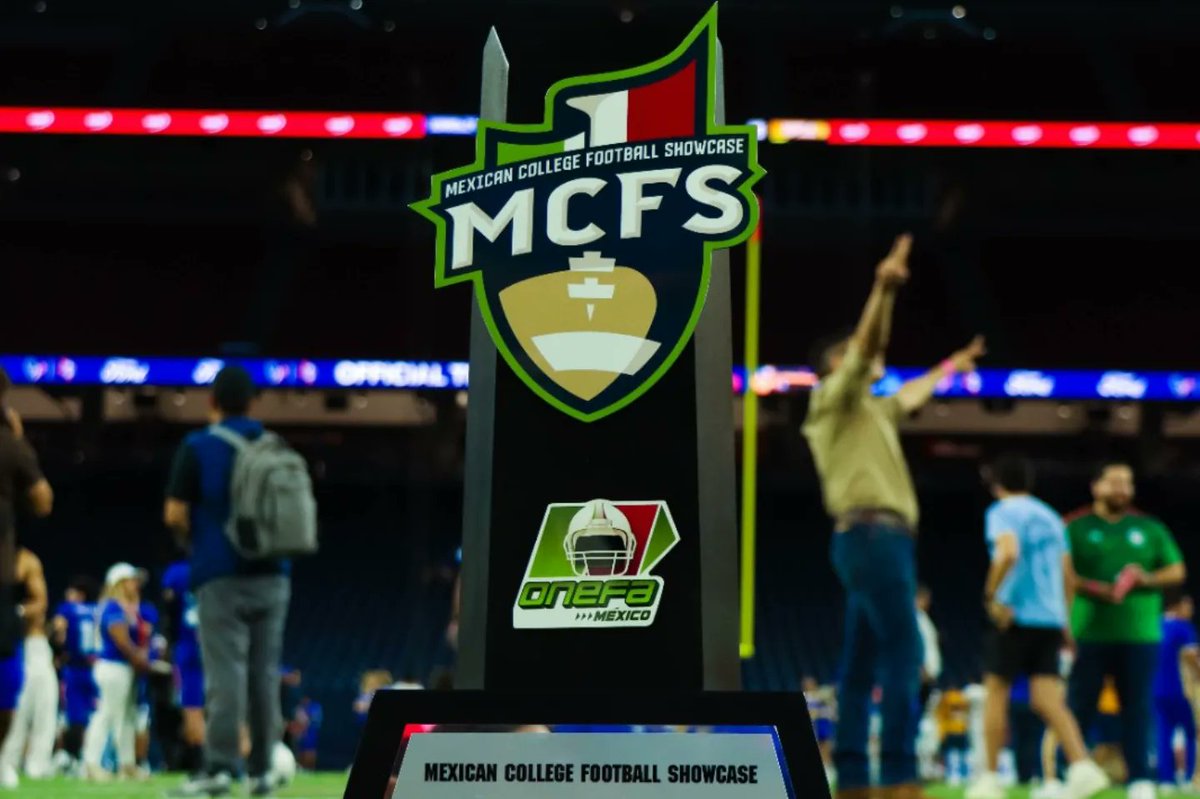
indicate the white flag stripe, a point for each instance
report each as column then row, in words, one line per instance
column 609, row 114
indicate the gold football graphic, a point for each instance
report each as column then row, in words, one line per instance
column 585, row 326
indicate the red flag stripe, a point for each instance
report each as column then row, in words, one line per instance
column 664, row 109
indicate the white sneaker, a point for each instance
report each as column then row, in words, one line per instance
column 62, row 762
column 986, row 786
column 1142, row 789
column 1050, row 789
column 97, row 774
column 216, row 785
column 8, row 779
column 1085, row 779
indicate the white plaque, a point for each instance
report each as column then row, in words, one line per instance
column 533, row 765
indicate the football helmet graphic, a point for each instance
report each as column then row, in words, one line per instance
column 599, row 542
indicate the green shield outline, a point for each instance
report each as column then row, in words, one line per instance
column 707, row 27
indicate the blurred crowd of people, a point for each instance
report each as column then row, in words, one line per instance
column 110, row 684
column 1098, row 589
column 950, row 740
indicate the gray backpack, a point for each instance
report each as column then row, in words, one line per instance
column 273, row 511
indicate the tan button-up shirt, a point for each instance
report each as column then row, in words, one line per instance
column 856, row 445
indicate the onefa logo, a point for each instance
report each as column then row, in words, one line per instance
column 589, row 237
column 591, row 566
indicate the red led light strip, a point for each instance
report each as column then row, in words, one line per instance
column 376, row 125
column 988, row 133
column 193, row 122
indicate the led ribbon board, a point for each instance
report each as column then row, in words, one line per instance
column 768, row 379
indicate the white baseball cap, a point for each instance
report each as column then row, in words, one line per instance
column 121, row 571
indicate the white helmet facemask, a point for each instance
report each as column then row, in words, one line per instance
column 599, row 541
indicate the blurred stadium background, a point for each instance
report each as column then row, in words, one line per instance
column 302, row 249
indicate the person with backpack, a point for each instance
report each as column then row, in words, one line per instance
column 242, row 500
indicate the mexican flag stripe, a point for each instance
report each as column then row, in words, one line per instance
column 660, row 110
column 665, row 109
column 512, row 152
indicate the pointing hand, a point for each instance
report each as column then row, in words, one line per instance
column 892, row 271
column 964, row 360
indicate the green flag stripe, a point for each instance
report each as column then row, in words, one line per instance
column 550, row 561
column 661, row 539
column 511, row 152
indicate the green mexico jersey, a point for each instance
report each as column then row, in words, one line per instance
column 1100, row 550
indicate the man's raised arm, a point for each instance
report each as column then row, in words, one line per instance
column 849, row 381
column 918, row 391
column 874, row 328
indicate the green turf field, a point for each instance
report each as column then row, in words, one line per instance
column 328, row 785
column 944, row 792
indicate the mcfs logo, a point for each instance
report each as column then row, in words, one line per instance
column 589, row 237
column 591, row 564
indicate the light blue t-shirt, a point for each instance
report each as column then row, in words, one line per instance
column 1034, row 585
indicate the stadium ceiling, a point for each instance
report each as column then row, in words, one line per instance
column 50, row 20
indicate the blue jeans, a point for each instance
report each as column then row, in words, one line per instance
column 1132, row 668
column 876, row 566
column 1175, row 712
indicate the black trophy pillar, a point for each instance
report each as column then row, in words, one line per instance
column 675, row 443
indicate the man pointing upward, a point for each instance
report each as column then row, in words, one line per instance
column 869, row 493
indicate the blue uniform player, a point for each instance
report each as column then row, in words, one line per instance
column 12, row 667
column 123, row 655
column 75, row 635
column 148, row 639
column 12, row 672
column 1178, row 649
column 183, row 617
column 306, row 727
column 822, row 711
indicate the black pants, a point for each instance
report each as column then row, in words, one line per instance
column 12, row 629
column 1025, row 730
column 1132, row 668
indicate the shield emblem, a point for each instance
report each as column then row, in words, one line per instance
column 589, row 236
